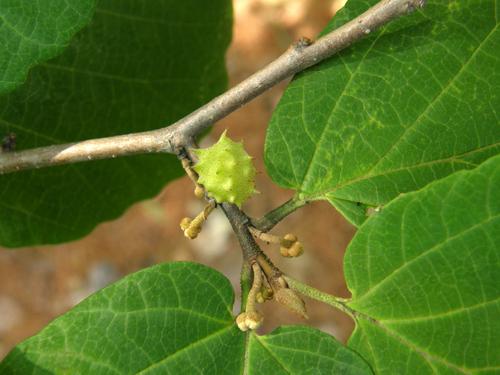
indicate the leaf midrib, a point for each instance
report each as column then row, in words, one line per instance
column 366, row 175
column 271, row 354
column 426, row 355
column 445, row 314
column 155, row 310
column 84, row 357
column 451, row 159
column 319, row 355
column 327, row 123
column 185, row 348
column 27, row 38
column 434, row 100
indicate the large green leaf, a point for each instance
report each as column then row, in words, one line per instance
column 173, row 319
column 412, row 103
column 300, row 350
column 35, row 31
column 139, row 65
column 424, row 276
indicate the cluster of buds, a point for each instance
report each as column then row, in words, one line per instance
column 192, row 227
column 224, row 173
column 249, row 320
column 265, row 294
column 267, row 284
column 290, row 246
column 286, row 296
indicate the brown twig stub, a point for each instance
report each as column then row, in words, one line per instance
column 181, row 133
column 9, row 143
column 303, row 42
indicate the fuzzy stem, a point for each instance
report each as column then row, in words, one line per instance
column 246, row 284
column 256, row 287
column 313, row 293
column 269, row 238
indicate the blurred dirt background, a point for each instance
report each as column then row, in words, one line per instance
column 38, row 284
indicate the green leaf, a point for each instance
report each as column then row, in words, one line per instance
column 35, row 31
column 412, row 103
column 173, row 319
column 301, row 350
column 137, row 66
column 424, row 277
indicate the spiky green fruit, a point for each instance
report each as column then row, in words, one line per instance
column 226, row 171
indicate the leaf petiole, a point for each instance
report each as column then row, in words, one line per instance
column 313, row 293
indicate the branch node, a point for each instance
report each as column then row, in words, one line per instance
column 302, row 43
column 9, row 143
column 413, row 5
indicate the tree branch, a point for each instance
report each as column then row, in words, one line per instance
column 239, row 221
column 251, row 250
column 171, row 139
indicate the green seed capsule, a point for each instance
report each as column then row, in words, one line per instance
column 226, row 171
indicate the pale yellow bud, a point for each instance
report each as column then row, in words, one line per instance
column 288, row 240
column 249, row 320
column 185, row 222
column 199, row 192
column 254, row 320
column 291, row 300
column 240, row 322
column 296, row 250
column 192, row 232
column 259, row 298
column 284, row 251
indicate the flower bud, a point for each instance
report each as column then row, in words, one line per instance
column 249, row 320
column 240, row 322
column 259, row 298
column 291, row 300
column 288, row 240
column 296, row 250
column 254, row 320
column 185, row 223
column 199, row 192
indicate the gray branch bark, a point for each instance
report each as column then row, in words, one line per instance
column 179, row 135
